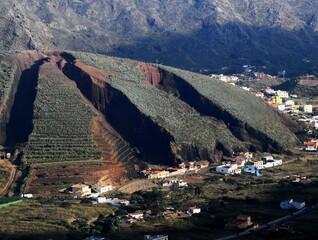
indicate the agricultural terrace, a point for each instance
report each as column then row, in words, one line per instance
column 241, row 104
column 182, row 121
column 126, row 67
column 7, row 71
column 185, row 123
column 62, row 125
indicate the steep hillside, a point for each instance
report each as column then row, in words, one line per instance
column 245, row 115
column 230, row 113
column 56, row 136
column 79, row 111
column 215, row 35
column 64, row 140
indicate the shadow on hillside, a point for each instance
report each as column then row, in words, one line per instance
column 20, row 124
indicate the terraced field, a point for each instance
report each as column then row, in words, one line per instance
column 238, row 103
column 200, row 114
column 69, row 143
column 87, row 117
column 185, row 124
column 7, row 71
column 62, row 125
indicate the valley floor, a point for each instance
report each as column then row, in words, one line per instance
column 220, row 198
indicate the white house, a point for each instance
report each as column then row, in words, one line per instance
column 281, row 107
column 100, row 199
column 258, row 164
column 273, row 163
column 27, row 195
column 228, row 169
column 291, row 204
column 169, row 182
column 81, row 190
column 311, row 148
column 117, row 202
column 181, row 183
column 223, row 78
column 174, row 181
column 307, row 108
column 289, row 103
column 194, row 210
column 103, row 189
column 136, row 215
column 282, row 94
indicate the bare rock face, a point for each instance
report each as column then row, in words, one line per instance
column 190, row 34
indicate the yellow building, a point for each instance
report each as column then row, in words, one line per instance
column 278, row 100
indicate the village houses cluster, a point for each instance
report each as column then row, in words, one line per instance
column 83, row 190
column 248, row 164
column 278, row 99
column 283, row 101
column 173, row 171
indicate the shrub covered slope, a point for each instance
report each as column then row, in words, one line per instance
column 184, row 119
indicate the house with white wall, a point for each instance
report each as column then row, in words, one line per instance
column 81, row 190
column 103, row 189
column 228, row 169
column 194, row 210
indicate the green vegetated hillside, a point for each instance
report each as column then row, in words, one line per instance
column 180, row 119
column 7, row 75
column 7, row 71
column 62, row 124
column 166, row 113
column 241, row 106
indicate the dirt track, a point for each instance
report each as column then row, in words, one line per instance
column 13, row 170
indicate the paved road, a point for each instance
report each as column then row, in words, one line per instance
column 263, row 228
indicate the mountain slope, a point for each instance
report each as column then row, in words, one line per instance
column 210, row 34
column 82, row 117
column 168, row 115
column 231, row 115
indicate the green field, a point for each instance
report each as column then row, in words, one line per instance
column 7, row 71
column 62, row 125
column 185, row 124
column 241, row 104
column 48, row 220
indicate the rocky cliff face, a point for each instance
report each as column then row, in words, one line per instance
column 209, row 34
